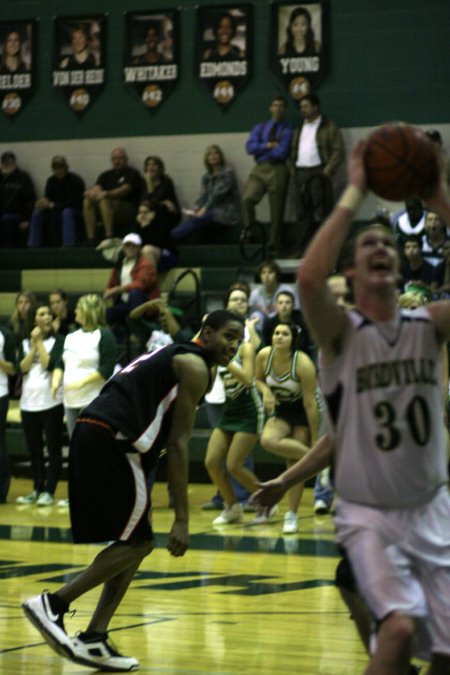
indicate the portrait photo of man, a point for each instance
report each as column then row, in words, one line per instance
column 79, row 43
column 151, row 39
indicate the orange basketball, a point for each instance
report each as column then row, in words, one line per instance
column 401, row 162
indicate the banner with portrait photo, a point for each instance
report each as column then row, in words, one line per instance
column 79, row 59
column 224, row 49
column 299, row 45
column 151, row 61
column 17, row 77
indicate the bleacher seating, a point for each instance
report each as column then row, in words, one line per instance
column 84, row 270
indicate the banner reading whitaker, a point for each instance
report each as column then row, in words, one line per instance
column 79, row 59
column 17, row 48
column 224, row 49
column 151, row 63
column 299, row 43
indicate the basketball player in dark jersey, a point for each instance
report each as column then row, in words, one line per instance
column 148, row 406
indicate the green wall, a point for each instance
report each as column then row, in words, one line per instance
column 389, row 60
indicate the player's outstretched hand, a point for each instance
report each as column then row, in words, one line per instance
column 178, row 539
column 269, row 494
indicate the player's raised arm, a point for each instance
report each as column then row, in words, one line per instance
column 323, row 316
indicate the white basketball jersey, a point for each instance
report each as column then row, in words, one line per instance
column 384, row 400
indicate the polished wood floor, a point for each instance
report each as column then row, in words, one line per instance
column 244, row 599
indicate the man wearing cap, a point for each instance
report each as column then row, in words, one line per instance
column 17, row 197
column 114, row 198
column 56, row 215
column 133, row 281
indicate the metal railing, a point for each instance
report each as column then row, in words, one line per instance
column 261, row 251
column 196, row 300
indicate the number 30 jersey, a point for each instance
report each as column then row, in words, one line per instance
column 384, row 400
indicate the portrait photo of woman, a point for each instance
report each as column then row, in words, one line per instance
column 299, row 35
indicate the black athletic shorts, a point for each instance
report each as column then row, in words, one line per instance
column 108, row 494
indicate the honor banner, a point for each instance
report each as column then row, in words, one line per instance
column 299, row 45
column 79, row 59
column 224, row 49
column 151, row 64
column 17, row 49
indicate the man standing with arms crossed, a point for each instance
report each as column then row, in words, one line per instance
column 270, row 144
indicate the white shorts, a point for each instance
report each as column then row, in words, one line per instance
column 401, row 560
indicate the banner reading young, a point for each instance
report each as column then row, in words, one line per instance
column 224, row 49
column 299, row 45
column 151, row 62
column 17, row 49
column 79, row 59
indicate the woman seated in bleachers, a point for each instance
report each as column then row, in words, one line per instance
column 219, row 202
column 159, row 212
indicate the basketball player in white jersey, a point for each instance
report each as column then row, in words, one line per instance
column 381, row 377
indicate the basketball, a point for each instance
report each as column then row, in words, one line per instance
column 400, row 162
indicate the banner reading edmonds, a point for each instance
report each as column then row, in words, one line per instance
column 299, row 45
column 17, row 49
column 79, row 59
column 224, row 49
column 152, row 63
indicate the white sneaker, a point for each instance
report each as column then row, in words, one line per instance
column 265, row 516
column 231, row 514
column 63, row 502
column 99, row 652
column 320, row 508
column 51, row 625
column 290, row 523
column 28, row 499
column 45, row 499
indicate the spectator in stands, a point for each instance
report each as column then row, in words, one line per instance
column 262, row 298
column 63, row 317
column 17, row 197
column 42, row 413
column 113, row 199
column 56, row 215
column 7, row 369
column 133, row 281
column 414, row 268
column 435, row 136
column 442, row 273
column 158, row 324
column 286, row 312
column 270, row 144
column 158, row 213
column 21, row 320
column 286, row 379
column 218, row 204
column 88, row 358
column 411, row 220
column 317, row 152
column 433, row 239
